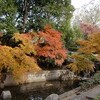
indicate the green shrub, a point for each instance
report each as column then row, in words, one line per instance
column 91, row 82
column 87, row 84
column 96, row 78
column 92, row 58
column 97, row 98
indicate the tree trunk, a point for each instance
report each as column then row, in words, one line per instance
column 25, row 15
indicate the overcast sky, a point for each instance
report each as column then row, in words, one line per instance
column 79, row 3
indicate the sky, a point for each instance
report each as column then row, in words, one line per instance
column 79, row 3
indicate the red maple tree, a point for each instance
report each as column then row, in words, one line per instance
column 50, row 45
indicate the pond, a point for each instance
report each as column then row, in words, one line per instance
column 39, row 91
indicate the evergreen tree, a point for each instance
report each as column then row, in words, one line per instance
column 24, row 15
column 34, row 14
column 8, row 12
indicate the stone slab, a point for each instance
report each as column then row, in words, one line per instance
column 90, row 94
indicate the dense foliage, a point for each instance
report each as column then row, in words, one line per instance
column 19, row 59
column 88, row 49
column 80, row 64
column 19, row 53
column 71, row 36
column 24, row 15
column 32, row 15
column 50, row 45
column 38, row 13
column 8, row 12
column 91, row 45
column 95, row 80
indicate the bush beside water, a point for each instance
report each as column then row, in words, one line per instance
column 95, row 80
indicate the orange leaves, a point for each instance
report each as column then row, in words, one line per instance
column 20, row 58
column 26, row 36
column 50, row 45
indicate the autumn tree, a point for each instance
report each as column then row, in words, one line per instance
column 49, row 46
column 91, row 45
column 88, row 47
column 19, row 59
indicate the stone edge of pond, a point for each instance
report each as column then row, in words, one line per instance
column 70, row 93
column 38, row 77
column 83, row 95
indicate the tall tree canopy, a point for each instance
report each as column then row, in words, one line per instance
column 36, row 13
column 24, row 15
column 8, row 11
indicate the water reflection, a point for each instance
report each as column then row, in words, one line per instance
column 41, row 90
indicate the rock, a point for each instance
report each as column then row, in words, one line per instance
column 48, row 84
column 68, row 75
column 53, row 97
column 6, row 95
column 35, row 98
column 31, row 98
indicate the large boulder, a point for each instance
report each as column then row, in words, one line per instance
column 53, row 97
column 6, row 95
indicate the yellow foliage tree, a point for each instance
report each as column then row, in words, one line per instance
column 87, row 47
column 80, row 64
column 91, row 45
column 25, row 43
column 20, row 59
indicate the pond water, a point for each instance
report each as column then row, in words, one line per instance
column 39, row 91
